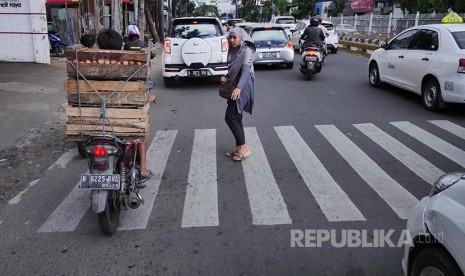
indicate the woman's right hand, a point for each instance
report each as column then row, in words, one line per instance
column 223, row 80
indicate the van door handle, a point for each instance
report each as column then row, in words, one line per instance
column 425, row 58
column 175, row 44
column 401, row 56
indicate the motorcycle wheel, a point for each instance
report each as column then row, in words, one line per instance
column 81, row 149
column 109, row 218
column 60, row 51
column 308, row 75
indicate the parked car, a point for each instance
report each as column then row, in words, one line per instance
column 287, row 22
column 346, row 28
column 272, row 43
column 437, row 230
column 428, row 60
column 332, row 39
column 194, row 47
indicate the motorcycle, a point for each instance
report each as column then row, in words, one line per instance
column 114, row 178
column 57, row 45
column 312, row 62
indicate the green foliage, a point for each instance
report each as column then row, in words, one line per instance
column 304, row 8
column 336, row 8
column 248, row 10
column 206, row 10
column 428, row 6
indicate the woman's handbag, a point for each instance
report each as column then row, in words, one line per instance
column 226, row 89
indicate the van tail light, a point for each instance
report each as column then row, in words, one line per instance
column 289, row 44
column 167, row 46
column 461, row 68
column 224, row 44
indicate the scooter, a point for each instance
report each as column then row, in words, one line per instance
column 312, row 62
column 57, row 45
column 114, row 178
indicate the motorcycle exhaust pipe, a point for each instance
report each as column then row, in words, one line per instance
column 135, row 200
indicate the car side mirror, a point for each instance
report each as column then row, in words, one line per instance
column 384, row 45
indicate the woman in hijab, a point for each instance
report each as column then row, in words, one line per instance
column 241, row 71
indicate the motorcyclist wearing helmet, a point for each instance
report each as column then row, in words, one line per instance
column 312, row 36
column 325, row 32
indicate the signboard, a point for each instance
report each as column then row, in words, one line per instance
column 362, row 6
column 452, row 17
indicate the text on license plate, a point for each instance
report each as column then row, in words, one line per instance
column 270, row 54
column 100, row 181
column 197, row 73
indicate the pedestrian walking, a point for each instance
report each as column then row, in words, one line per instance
column 241, row 72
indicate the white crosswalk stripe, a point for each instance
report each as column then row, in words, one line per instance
column 396, row 196
column 267, row 204
column 334, row 202
column 420, row 166
column 201, row 203
column 453, row 153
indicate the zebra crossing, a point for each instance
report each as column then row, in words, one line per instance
column 267, row 204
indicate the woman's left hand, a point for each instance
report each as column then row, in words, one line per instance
column 236, row 94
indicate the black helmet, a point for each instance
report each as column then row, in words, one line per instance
column 314, row 22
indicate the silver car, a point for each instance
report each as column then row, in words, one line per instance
column 273, row 45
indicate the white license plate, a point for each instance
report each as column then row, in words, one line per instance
column 197, row 73
column 270, row 54
column 100, row 181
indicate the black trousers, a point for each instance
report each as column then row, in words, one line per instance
column 234, row 121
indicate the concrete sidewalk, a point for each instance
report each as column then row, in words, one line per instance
column 31, row 95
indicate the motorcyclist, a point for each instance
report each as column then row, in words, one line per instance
column 325, row 32
column 312, row 36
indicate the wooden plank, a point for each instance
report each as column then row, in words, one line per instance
column 71, row 85
column 100, row 54
column 109, row 71
column 77, row 129
column 116, row 99
column 123, row 113
column 136, row 123
column 123, row 136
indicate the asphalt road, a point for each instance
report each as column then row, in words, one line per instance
column 326, row 155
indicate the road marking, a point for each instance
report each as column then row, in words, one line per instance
column 334, row 202
column 453, row 153
column 65, row 158
column 69, row 213
column 266, row 202
column 396, row 196
column 157, row 156
column 17, row 198
column 417, row 164
column 201, row 202
column 451, row 127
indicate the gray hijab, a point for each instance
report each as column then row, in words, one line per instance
column 240, row 55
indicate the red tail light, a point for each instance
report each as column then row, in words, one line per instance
column 461, row 68
column 167, row 46
column 289, row 44
column 99, row 150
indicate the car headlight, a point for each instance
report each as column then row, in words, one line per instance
column 445, row 182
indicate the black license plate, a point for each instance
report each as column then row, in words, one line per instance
column 197, row 73
column 100, row 181
column 270, row 54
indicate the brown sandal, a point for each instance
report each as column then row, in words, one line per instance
column 239, row 156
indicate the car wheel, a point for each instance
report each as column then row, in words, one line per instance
column 334, row 51
column 290, row 65
column 373, row 75
column 300, row 47
column 169, row 81
column 434, row 261
column 431, row 95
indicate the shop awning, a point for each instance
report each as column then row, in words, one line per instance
column 452, row 17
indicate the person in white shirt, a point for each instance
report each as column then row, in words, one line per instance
column 325, row 32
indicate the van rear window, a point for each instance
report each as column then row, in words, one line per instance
column 195, row 28
column 460, row 39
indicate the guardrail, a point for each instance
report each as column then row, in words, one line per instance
column 360, row 46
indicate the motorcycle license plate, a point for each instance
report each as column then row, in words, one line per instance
column 100, row 181
column 197, row 73
column 270, row 54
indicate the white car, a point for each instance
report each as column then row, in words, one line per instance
column 437, row 230
column 194, row 47
column 286, row 21
column 428, row 60
column 346, row 28
column 332, row 38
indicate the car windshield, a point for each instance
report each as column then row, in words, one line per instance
column 285, row 21
column 232, row 22
column 460, row 39
column 328, row 26
column 195, row 28
column 269, row 38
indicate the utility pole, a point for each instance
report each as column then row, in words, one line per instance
column 116, row 15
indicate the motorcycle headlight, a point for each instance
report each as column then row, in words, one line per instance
column 445, row 182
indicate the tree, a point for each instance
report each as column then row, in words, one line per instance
column 336, row 8
column 304, row 8
column 206, row 10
